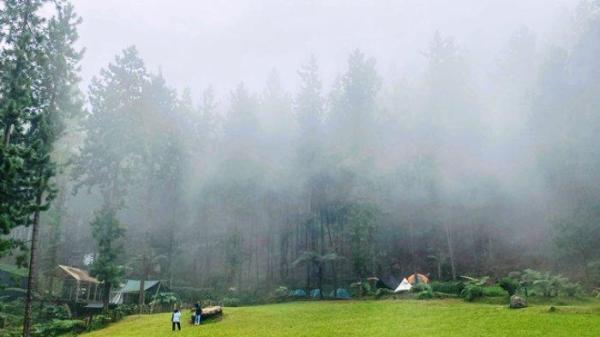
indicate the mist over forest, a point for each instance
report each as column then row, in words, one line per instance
column 259, row 149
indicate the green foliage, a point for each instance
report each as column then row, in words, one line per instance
column 494, row 291
column 473, row 288
column 534, row 283
column 419, row 287
column 425, row 295
column 472, row 292
column 58, row 327
column 230, row 302
column 100, row 321
column 165, row 299
column 383, row 292
column 106, row 230
column 450, row 287
column 423, row 291
column 281, row 294
column 509, row 285
column 363, row 224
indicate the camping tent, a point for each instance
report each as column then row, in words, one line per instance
column 422, row 278
column 298, row 293
column 403, row 286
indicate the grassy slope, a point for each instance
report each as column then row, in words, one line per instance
column 374, row 318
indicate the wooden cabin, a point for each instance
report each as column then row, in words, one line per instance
column 78, row 285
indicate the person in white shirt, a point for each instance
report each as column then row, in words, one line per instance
column 176, row 319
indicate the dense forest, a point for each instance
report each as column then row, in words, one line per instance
column 308, row 187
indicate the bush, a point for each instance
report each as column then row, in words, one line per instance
column 58, row 327
column 509, row 285
column 100, row 321
column 472, row 292
column 230, row 302
column 420, row 287
column 425, row 295
column 494, row 291
column 452, row 287
column 571, row 289
column 381, row 292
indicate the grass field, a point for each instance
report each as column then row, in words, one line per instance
column 374, row 318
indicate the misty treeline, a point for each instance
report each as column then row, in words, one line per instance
column 454, row 170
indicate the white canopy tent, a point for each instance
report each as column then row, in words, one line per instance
column 403, row 286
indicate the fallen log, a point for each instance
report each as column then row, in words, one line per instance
column 208, row 312
column 211, row 311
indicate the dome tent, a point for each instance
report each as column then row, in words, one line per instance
column 420, row 277
column 403, row 286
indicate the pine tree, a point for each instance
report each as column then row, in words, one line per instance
column 107, row 230
column 58, row 100
column 112, row 151
column 21, row 57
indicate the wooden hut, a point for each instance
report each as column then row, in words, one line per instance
column 78, row 285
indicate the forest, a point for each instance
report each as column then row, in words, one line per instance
column 451, row 171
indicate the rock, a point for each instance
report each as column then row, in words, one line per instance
column 517, row 302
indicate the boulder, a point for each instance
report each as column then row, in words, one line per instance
column 517, row 302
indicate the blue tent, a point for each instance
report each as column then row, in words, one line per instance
column 297, row 293
column 341, row 293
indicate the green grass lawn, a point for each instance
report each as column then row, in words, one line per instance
column 374, row 318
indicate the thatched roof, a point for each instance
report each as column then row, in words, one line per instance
column 77, row 274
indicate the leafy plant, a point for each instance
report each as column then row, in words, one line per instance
column 473, row 288
column 510, row 285
column 453, row 287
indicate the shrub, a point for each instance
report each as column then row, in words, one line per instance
column 381, row 292
column 419, row 287
column 425, row 295
column 230, row 302
column 471, row 292
column 494, row 291
column 509, row 285
column 58, row 327
column 452, row 287
column 571, row 289
column 100, row 321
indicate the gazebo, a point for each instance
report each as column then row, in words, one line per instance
column 78, row 285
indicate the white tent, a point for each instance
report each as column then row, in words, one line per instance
column 403, row 286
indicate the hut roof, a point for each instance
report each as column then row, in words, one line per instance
column 77, row 274
column 133, row 286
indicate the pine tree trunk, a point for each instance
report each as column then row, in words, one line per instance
column 27, row 317
column 450, row 250
column 142, row 299
column 322, row 228
column 106, row 296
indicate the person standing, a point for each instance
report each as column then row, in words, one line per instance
column 176, row 319
column 198, row 316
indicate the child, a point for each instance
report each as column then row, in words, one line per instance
column 176, row 319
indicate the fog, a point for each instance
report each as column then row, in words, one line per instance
column 313, row 144
column 219, row 43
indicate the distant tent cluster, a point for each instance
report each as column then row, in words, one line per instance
column 408, row 282
column 340, row 293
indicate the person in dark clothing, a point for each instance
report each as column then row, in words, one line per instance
column 176, row 319
column 198, row 314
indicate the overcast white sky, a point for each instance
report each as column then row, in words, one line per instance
column 202, row 42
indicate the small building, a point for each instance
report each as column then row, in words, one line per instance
column 129, row 293
column 78, row 285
